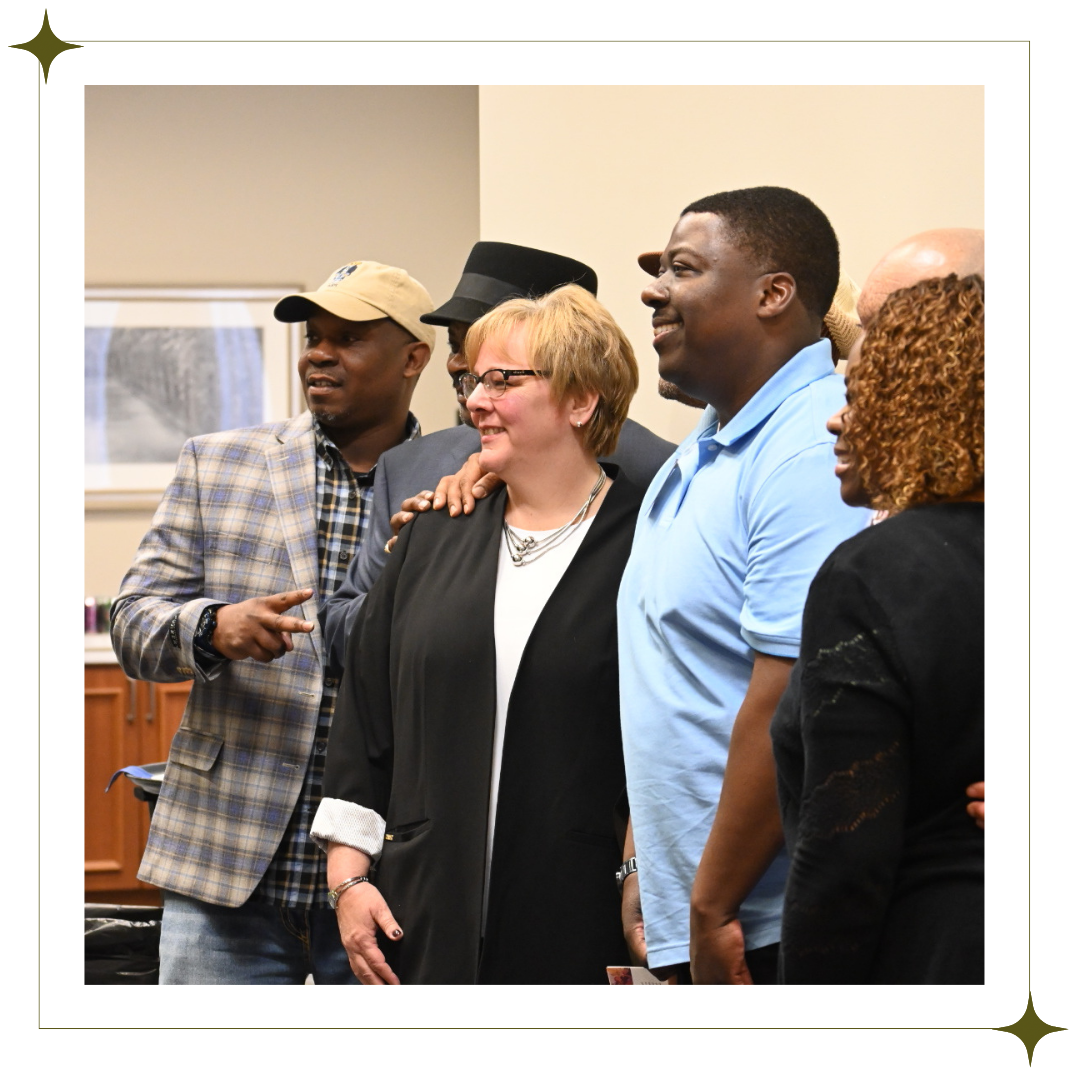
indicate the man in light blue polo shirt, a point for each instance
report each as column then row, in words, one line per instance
column 729, row 536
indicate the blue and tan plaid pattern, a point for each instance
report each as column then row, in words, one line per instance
column 236, row 521
column 297, row 874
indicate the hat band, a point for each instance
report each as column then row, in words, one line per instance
column 486, row 290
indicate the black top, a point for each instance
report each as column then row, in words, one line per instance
column 412, row 740
column 876, row 738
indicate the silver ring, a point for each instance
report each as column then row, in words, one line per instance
column 386, row 546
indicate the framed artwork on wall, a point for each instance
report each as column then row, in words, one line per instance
column 162, row 365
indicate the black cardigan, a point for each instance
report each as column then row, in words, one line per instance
column 877, row 737
column 412, row 740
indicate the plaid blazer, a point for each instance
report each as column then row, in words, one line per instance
column 238, row 520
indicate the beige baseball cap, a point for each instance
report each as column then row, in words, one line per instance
column 361, row 291
column 841, row 320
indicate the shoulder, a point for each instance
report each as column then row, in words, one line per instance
column 915, row 554
column 435, row 539
column 797, row 427
column 640, row 453
column 439, row 448
column 257, row 438
column 916, row 533
column 636, row 435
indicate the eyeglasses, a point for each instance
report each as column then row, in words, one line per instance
column 494, row 380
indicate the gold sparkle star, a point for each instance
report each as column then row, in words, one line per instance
column 1029, row 1029
column 46, row 46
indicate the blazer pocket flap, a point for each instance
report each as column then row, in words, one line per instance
column 199, row 749
column 407, row 832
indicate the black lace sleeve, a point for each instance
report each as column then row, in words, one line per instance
column 843, row 761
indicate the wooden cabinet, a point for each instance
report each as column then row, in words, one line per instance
column 127, row 723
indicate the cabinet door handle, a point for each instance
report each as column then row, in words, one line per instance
column 131, row 700
column 151, row 691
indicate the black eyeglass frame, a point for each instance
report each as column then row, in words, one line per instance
column 470, row 377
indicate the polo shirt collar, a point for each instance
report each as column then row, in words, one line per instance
column 805, row 367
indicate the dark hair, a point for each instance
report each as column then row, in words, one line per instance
column 781, row 230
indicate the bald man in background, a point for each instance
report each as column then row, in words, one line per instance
column 931, row 254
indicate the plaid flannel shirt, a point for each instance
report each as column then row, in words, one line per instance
column 297, row 875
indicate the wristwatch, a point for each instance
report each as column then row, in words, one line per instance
column 203, row 641
column 348, row 883
column 629, row 867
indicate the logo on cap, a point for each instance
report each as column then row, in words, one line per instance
column 342, row 274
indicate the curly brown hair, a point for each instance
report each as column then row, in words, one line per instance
column 915, row 420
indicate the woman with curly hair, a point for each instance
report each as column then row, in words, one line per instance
column 881, row 727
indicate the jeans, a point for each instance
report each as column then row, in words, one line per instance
column 256, row 943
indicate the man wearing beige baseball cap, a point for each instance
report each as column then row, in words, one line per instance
column 256, row 522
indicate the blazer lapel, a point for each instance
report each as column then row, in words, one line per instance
column 291, row 465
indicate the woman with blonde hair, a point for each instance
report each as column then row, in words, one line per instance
column 881, row 728
column 475, row 761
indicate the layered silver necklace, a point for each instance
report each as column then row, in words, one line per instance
column 526, row 549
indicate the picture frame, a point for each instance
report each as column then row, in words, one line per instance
column 165, row 364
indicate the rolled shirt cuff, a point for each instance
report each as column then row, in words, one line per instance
column 340, row 822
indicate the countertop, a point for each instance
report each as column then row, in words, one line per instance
column 98, row 649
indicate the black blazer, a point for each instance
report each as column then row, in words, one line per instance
column 412, row 739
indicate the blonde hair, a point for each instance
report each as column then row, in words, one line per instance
column 574, row 339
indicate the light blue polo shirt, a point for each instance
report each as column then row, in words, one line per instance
column 729, row 536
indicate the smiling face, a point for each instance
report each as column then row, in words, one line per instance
column 705, row 303
column 847, row 460
column 355, row 374
column 456, row 365
column 526, row 422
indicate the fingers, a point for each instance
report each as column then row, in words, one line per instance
column 419, row 502
column 442, row 491
column 977, row 809
column 401, row 518
column 287, row 624
column 387, row 923
column 359, row 921
column 283, row 601
column 461, row 501
column 371, row 968
column 633, row 921
column 487, row 483
column 264, row 645
column 257, row 629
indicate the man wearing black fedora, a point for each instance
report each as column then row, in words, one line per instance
column 493, row 272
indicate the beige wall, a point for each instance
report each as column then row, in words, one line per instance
column 270, row 186
column 601, row 173
column 278, row 185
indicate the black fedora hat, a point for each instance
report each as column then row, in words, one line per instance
column 495, row 272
